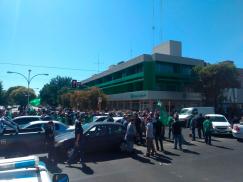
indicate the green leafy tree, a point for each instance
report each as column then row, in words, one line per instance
column 18, row 95
column 84, row 99
column 212, row 80
column 2, row 95
column 51, row 92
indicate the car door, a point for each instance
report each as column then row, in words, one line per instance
column 96, row 139
column 115, row 135
column 60, row 128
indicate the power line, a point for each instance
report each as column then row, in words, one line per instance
column 48, row 67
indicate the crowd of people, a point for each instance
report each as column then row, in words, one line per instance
column 143, row 128
column 154, row 131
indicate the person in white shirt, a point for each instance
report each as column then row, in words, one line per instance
column 150, row 137
column 130, row 135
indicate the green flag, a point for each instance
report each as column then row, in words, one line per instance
column 164, row 116
column 35, row 102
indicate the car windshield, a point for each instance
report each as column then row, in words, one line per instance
column 86, row 126
column 25, row 125
column 186, row 111
column 217, row 119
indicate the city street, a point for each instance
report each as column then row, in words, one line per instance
column 197, row 162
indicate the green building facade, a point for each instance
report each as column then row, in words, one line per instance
column 140, row 82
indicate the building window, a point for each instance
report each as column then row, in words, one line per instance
column 186, row 70
column 165, row 68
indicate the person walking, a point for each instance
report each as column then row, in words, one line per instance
column 150, row 137
column 193, row 126
column 49, row 139
column 200, row 120
column 130, row 135
column 176, row 130
column 207, row 127
column 158, row 133
column 78, row 150
column 171, row 121
column 138, row 125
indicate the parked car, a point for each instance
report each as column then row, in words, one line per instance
column 59, row 126
column 237, row 131
column 98, row 136
column 118, row 119
column 220, row 124
column 23, row 169
column 25, row 141
column 21, row 120
column 99, row 118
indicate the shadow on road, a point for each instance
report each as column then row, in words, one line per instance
column 85, row 169
column 190, row 152
column 101, row 157
column 141, row 159
column 188, row 143
column 170, row 153
column 223, row 147
column 223, row 136
column 169, row 140
column 162, row 158
column 51, row 166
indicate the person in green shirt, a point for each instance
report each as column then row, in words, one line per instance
column 207, row 127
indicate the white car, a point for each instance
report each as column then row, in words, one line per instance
column 27, row 169
column 99, row 118
column 119, row 119
column 237, row 131
column 59, row 126
column 21, row 120
column 220, row 124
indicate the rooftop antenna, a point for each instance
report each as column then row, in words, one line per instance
column 98, row 63
column 153, row 22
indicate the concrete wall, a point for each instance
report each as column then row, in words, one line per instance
column 171, row 47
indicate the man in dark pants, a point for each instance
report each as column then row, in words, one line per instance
column 171, row 120
column 200, row 120
column 78, row 145
column 49, row 137
column 158, row 133
column 193, row 125
column 138, row 124
column 176, row 129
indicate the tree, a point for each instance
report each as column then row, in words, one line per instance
column 84, row 99
column 18, row 95
column 51, row 92
column 2, row 95
column 212, row 80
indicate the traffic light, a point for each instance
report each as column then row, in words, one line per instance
column 74, row 83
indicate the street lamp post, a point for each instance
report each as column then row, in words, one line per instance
column 28, row 79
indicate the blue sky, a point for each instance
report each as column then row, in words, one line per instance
column 49, row 35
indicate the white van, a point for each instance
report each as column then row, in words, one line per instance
column 186, row 114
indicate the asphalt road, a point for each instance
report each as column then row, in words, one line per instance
column 197, row 162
